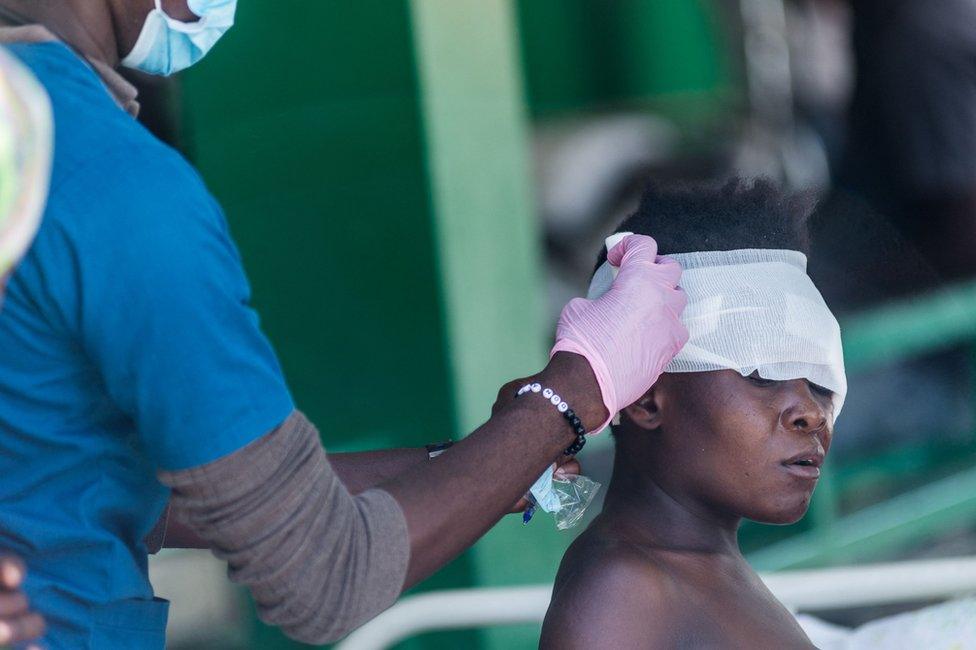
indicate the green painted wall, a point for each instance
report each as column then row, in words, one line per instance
column 305, row 124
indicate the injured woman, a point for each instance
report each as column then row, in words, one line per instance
column 737, row 427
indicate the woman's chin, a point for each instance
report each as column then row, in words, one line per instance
column 782, row 514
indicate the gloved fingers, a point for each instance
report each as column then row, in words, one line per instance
column 12, row 572
column 641, row 269
column 677, row 300
column 23, row 628
column 670, row 270
column 633, row 248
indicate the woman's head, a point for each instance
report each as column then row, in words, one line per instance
column 744, row 445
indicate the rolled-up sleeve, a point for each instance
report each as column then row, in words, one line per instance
column 318, row 561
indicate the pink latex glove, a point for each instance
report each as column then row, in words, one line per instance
column 630, row 333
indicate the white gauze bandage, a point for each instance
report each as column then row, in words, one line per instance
column 752, row 310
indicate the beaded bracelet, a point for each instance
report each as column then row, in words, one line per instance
column 562, row 407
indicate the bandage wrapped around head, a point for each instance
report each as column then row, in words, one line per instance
column 753, row 310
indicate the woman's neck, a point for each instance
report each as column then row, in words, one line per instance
column 651, row 515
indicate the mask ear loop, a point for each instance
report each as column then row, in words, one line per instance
column 204, row 22
column 140, row 51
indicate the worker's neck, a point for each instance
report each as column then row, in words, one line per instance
column 89, row 26
column 656, row 517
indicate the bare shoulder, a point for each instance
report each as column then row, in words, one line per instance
column 610, row 593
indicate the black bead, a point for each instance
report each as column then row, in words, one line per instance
column 576, row 447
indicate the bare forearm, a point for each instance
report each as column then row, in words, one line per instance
column 512, row 448
column 362, row 470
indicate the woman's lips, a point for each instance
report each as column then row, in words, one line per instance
column 808, row 472
column 806, row 465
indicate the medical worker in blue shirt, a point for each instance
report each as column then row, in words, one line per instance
column 140, row 401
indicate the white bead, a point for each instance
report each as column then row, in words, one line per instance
column 555, row 399
column 547, row 393
column 523, row 390
column 563, row 407
column 536, row 388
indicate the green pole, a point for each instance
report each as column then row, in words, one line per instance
column 476, row 141
column 475, row 132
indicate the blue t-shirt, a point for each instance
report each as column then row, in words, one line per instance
column 126, row 345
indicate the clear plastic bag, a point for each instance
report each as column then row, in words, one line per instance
column 566, row 498
column 575, row 495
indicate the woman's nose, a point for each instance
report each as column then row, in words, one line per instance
column 804, row 413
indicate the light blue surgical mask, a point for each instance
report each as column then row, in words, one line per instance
column 166, row 45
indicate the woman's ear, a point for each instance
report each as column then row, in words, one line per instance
column 645, row 413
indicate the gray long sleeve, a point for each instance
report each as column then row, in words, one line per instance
column 318, row 561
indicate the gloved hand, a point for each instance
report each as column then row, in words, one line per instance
column 630, row 333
